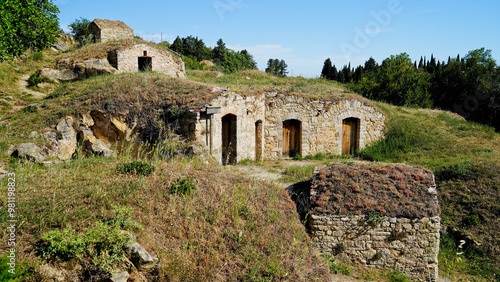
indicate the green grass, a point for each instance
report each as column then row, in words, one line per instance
column 298, row 173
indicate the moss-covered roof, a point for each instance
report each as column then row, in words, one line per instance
column 100, row 51
column 357, row 188
column 109, row 24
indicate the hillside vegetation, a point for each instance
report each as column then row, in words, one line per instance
column 231, row 227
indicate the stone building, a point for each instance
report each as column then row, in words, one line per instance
column 107, row 30
column 272, row 125
column 382, row 216
column 142, row 57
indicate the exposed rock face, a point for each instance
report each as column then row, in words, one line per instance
column 30, row 152
column 59, row 75
column 66, row 143
column 120, row 276
column 77, row 71
column 96, row 147
column 139, row 256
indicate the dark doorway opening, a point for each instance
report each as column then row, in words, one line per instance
column 291, row 138
column 229, row 139
column 350, row 136
column 145, row 62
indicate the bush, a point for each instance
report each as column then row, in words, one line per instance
column 37, row 78
column 136, row 167
column 63, row 244
column 395, row 276
column 183, row 186
column 103, row 244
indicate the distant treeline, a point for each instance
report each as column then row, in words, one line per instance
column 469, row 86
column 194, row 51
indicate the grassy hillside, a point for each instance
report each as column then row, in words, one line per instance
column 465, row 158
column 232, row 227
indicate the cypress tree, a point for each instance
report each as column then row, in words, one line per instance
column 326, row 72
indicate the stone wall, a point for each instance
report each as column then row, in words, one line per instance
column 410, row 246
column 247, row 109
column 321, row 123
column 127, row 60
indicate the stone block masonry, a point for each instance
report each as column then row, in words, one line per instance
column 410, row 246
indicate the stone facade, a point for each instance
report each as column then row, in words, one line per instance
column 260, row 121
column 321, row 123
column 107, row 30
column 127, row 60
column 410, row 246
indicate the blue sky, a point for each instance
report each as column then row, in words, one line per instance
column 305, row 33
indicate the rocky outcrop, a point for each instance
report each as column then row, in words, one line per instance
column 59, row 75
column 30, row 152
column 70, row 71
column 141, row 259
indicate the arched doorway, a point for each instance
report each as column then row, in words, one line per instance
column 228, row 139
column 350, row 135
column 258, row 140
column 291, row 137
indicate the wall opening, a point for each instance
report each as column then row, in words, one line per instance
column 229, row 139
column 258, row 140
column 145, row 62
column 291, row 138
column 350, row 136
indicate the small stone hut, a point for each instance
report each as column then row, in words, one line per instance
column 272, row 125
column 383, row 216
column 107, row 30
column 145, row 57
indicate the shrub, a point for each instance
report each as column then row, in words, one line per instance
column 395, row 276
column 136, row 167
column 63, row 244
column 37, row 78
column 183, row 186
column 102, row 244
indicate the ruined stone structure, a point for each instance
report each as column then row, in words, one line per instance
column 144, row 57
column 107, row 30
column 272, row 125
column 379, row 216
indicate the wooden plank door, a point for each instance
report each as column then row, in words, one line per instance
column 286, row 139
column 349, row 136
column 291, row 137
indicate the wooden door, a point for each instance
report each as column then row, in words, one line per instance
column 291, row 138
column 350, row 135
column 258, row 140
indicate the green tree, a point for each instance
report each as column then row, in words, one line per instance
column 27, row 24
column 219, row 53
column 177, row 46
column 277, row 67
column 327, row 69
column 79, row 29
